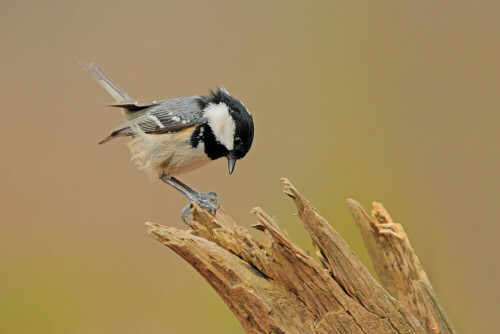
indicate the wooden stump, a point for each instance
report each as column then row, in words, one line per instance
column 273, row 286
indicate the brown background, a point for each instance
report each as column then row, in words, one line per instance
column 391, row 101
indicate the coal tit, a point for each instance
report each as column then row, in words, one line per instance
column 175, row 136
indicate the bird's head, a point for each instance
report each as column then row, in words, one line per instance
column 228, row 131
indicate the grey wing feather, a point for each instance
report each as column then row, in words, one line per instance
column 170, row 116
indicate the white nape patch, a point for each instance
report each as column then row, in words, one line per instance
column 157, row 121
column 176, row 119
column 221, row 123
column 170, row 113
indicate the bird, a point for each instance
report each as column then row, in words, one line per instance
column 178, row 135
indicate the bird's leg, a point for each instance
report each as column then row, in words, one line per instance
column 203, row 200
column 211, row 196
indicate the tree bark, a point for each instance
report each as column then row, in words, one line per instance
column 272, row 286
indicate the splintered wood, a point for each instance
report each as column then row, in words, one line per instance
column 273, row 286
column 397, row 266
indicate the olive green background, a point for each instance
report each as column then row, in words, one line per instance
column 393, row 101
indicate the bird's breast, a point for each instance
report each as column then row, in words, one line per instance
column 169, row 153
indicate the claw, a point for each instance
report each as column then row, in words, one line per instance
column 211, row 196
column 207, row 205
column 186, row 214
column 214, row 198
column 212, row 211
column 203, row 200
column 208, row 201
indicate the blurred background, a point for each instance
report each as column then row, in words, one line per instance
column 390, row 101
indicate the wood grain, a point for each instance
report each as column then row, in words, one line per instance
column 272, row 286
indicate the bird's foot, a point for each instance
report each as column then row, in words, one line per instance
column 207, row 201
column 210, row 197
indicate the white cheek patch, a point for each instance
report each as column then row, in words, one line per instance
column 222, row 123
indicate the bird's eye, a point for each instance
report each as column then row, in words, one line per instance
column 237, row 141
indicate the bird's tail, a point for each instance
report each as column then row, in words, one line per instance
column 98, row 73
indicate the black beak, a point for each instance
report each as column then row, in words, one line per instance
column 231, row 161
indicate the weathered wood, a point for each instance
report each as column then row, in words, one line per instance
column 431, row 300
column 397, row 266
column 273, row 286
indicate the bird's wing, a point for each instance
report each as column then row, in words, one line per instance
column 169, row 116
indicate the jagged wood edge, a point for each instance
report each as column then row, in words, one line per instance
column 344, row 265
column 432, row 302
column 272, row 285
column 397, row 265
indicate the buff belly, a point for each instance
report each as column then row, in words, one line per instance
column 169, row 153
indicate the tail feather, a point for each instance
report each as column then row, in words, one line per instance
column 105, row 140
column 113, row 135
column 98, row 73
column 124, row 130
